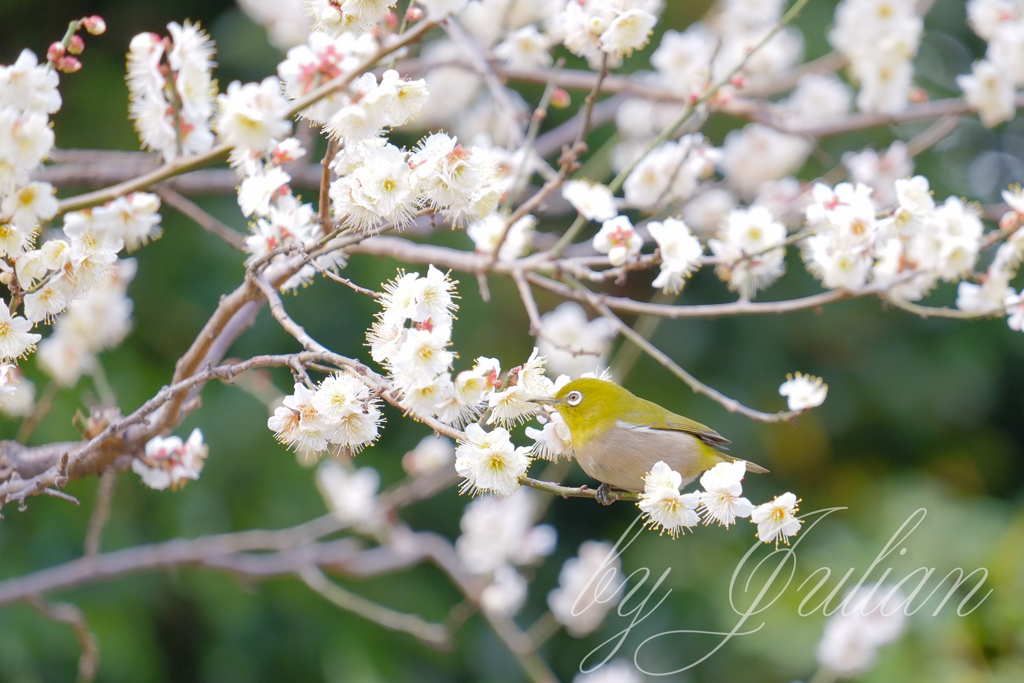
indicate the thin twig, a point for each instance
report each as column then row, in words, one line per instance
column 207, row 222
column 698, row 387
column 433, row 635
column 66, row 613
column 100, row 513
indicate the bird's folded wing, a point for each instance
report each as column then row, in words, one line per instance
column 678, row 423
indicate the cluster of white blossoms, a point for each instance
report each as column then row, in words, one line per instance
column 720, row 501
column 750, row 249
column 882, row 66
column 992, row 293
column 411, row 338
column 379, row 182
column 168, row 462
column 336, row 17
column 869, row 617
column 171, row 90
column 991, row 87
column 908, row 252
column 605, row 29
column 321, row 58
column 94, row 322
column 490, row 462
column 498, row 535
column 340, row 412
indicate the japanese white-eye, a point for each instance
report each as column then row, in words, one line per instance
column 619, row 437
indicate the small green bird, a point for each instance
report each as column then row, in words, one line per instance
column 619, row 437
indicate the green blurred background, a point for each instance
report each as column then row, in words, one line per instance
column 920, row 413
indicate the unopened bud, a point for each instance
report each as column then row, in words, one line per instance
column 917, row 95
column 68, row 65
column 76, row 45
column 55, row 52
column 391, row 20
column 1010, row 221
column 560, row 99
column 95, row 25
column 6, row 278
column 413, row 14
column 330, row 16
column 738, row 81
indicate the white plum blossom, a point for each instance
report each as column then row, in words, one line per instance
column 506, row 592
column 514, row 403
column 721, row 501
column 990, row 91
column 589, row 587
column 17, row 392
column 776, row 521
column 803, row 391
column 179, row 126
column 593, row 201
column 486, row 232
column 683, row 60
column 16, row 340
column 431, row 454
column 525, row 48
column 350, row 494
column 671, row 172
column 553, row 440
column 489, row 462
column 27, row 86
column 615, row 671
column 251, row 117
column 664, row 506
column 619, row 240
column 882, row 65
column 680, row 253
column 881, row 172
column 168, row 462
column 757, row 153
column 750, row 250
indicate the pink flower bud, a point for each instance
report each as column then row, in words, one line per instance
column 413, row 14
column 1009, row 221
column 55, row 52
column 76, row 45
column 68, row 65
column 917, row 94
column 95, row 25
column 391, row 20
column 560, row 99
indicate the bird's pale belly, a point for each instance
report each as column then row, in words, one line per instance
column 624, row 454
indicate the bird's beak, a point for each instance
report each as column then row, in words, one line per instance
column 545, row 401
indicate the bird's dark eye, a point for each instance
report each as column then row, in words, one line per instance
column 574, row 398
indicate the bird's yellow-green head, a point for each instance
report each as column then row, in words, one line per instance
column 590, row 406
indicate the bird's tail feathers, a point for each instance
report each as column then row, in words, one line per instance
column 751, row 466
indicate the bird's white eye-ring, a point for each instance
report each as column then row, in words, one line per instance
column 574, row 398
